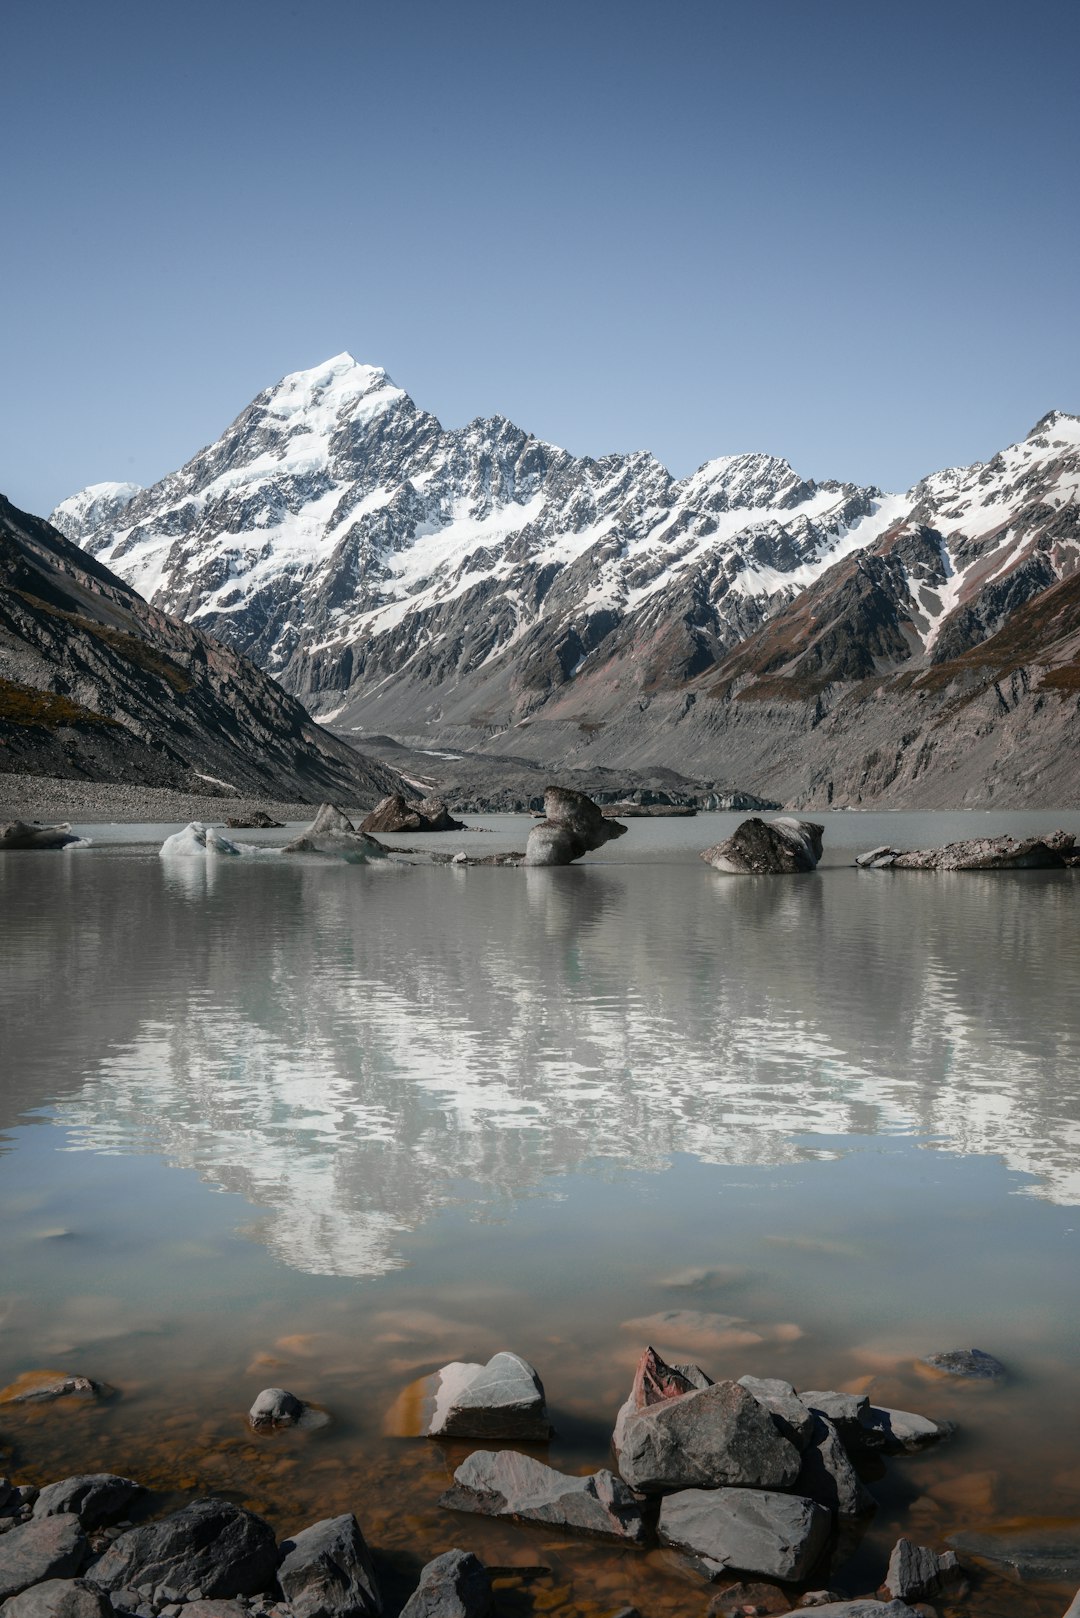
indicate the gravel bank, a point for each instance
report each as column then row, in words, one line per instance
column 52, row 798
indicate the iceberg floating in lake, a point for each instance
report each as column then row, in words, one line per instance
column 196, row 841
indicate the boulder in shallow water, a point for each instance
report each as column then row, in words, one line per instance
column 455, row 1585
column 396, row 814
column 1052, row 851
column 18, row 834
column 505, row 1484
column 196, row 841
column 916, row 1573
column 972, row 1363
column 211, row 1546
column 572, row 826
column 332, row 832
column 55, row 1548
column 902, row 1430
column 41, row 1387
column 58, row 1598
column 503, row 1399
column 768, row 848
column 779, row 1536
column 275, row 1407
column 326, row 1572
column 257, row 821
column 707, row 1438
column 96, row 1498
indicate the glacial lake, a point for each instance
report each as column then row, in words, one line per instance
column 298, row 1122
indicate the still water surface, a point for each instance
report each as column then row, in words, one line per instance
column 809, row 1127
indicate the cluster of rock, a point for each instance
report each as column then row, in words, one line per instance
column 1052, row 851
column 396, row 813
column 768, row 848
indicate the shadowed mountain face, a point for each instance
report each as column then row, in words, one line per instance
column 98, row 684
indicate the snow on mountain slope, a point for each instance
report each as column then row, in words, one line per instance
column 396, row 573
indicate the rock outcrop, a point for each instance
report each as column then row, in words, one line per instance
column 332, row 832
column 768, row 848
column 396, row 813
column 916, row 1573
column 705, row 1438
column 1051, row 852
column 506, row 1484
column 572, row 826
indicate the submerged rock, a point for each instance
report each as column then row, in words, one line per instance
column 195, row 841
column 973, row 1363
column 768, row 848
column 706, row 1438
column 96, row 1498
column 502, row 1399
column 326, row 1572
column 1051, row 1553
column 210, row 1546
column 58, row 1598
column 395, row 814
column 332, row 832
column 17, row 834
column 736, row 1600
column 54, row 1548
column 39, row 1387
column 757, row 1531
column 454, row 1585
column 572, row 826
column 505, row 1484
column 275, row 1407
column 917, row 1573
column 1049, row 852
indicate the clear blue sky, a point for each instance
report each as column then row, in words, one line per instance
column 845, row 231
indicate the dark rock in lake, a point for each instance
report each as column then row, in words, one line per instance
column 326, row 1572
column 503, row 1399
column 917, row 1573
column 40, row 1387
column 1052, row 1554
column 275, row 1407
column 96, row 1498
column 792, row 1417
column 506, row 1484
column 395, row 814
column 768, row 848
column 1050, row 852
column 973, row 1363
column 454, row 1585
column 735, row 1600
column 18, row 835
column 706, row 1438
column 259, row 821
column 58, row 1598
column 332, row 832
column 55, row 1548
column 828, row 1476
column 573, row 826
column 757, row 1531
column 210, row 1546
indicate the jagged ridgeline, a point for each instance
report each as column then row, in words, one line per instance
column 97, row 684
column 813, row 641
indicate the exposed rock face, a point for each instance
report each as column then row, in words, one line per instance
column 505, row 1484
column 777, row 1535
column 572, row 826
column 792, row 1417
column 710, row 1437
column 768, row 848
column 454, row 1585
column 502, row 1399
column 17, row 834
column 275, row 1407
column 54, row 1548
column 828, row 1476
column 1051, row 852
column 96, row 1498
column 58, row 1598
column 395, row 814
column 96, row 683
column 211, row 1546
column 972, row 1363
column 332, row 832
column 326, row 1572
column 917, row 1573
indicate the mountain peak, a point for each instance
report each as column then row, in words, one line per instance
column 334, row 382
column 1058, row 421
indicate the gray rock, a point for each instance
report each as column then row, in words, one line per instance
column 506, row 1484
column 454, row 1585
column 275, row 1407
column 17, row 834
column 1073, row 1609
column 828, row 1476
column 973, row 1363
column 864, row 1608
column 96, row 1498
column 848, row 1412
column 332, row 832
column 916, row 1573
column 768, row 848
column 573, row 826
column 40, row 1387
column 897, row 1430
column 396, row 814
column 326, row 1571
column 794, row 1420
column 707, row 1438
column 502, row 1399
column 878, row 857
column 35, row 1551
column 211, row 1546
column 1027, row 1553
column 1048, row 852
column 654, row 1381
column 58, row 1598
column 757, row 1531
column 734, row 1600
column 821, row 1598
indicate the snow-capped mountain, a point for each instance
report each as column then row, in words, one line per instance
column 352, row 545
